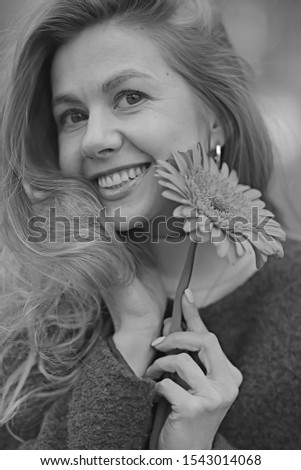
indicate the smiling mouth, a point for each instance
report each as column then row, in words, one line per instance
column 118, row 184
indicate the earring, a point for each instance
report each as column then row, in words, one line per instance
column 218, row 155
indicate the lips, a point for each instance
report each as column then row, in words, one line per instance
column 118, row 178
column 116, row 185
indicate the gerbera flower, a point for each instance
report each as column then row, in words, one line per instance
column 215, row 206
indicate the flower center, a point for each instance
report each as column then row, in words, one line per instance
column 220, row 205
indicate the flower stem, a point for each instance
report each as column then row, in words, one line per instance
column 163, row 407
column 176, row 317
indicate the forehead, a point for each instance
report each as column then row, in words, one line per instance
column 102, row 50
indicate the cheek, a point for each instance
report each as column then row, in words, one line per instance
column 172, row 136
column 69, row 155
column 178, row 128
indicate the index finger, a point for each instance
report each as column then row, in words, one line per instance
column 191, row 314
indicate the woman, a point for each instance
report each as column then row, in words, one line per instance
column 100, row 91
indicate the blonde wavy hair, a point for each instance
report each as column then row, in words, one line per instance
column 53, row 301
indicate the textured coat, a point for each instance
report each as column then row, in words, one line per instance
column 259, row 328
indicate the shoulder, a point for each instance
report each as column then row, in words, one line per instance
column 274, row 294
column 106, row 370
column 278, row 282
column 282, row 275
column 291, row 259
column 110, row 407
column 269, row 301
column 276, row 275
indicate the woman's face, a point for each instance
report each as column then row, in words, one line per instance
column 119, row 108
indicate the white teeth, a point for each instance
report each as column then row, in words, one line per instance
column 132, row 173
column 116, row 179
column 102, row 182
column 109, row 181
column 122, row 177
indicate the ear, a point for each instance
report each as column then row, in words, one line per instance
column 216, row 134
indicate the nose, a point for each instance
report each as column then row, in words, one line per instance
column 102, row 136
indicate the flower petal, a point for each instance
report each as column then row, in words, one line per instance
column 264, row 243
column 185, row 211
column 176, row 180
column 223, row 247
column 197, row 155
column 231, row 254
column 174, row 188
column 266, row 213
column 213, row 167
column 167, row 166
column 173, row 196
column 188, row 159
column 181, row 162
column 260, row 258
column 243, row 187
column 273, row 228
column 217, row 234
column 253, row 194
column 240, row 250
column 225, row 170
column 200, row 237
column 206, row 162
column 233, row 177
column 259, row 204
column 247, row 245
column 273, row 246
column 194, row 225
column 204, row 224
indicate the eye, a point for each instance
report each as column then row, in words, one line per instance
column 71, row 117
column 129, row 98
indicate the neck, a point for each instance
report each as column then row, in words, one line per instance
column 165, row 226
column 212, row 277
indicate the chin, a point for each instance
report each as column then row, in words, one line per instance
column 126, row 218
column 134, row 222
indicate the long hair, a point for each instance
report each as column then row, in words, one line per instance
column 54, row 328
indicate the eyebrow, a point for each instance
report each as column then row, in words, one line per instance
column 65, row 99
column 109, row 85
column 117, row 79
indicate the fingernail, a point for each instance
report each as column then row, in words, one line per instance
column 158, row 341
column 189, row 296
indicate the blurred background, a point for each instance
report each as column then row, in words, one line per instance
column 268, row 34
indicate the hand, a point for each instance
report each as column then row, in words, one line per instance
column 196, row 413
column 137, row 312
